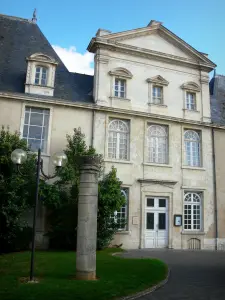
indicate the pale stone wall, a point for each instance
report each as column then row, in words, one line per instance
column 138, row 90
column 220, row 183
column 187, row 178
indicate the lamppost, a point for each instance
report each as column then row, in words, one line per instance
column 18, row 157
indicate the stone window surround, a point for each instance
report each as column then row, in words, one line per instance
column 41, row 106
column 201, row 133
column 169, row 144
column 199, row 141
column 123, row 74
column 107, row 121
column 191, row 87
column 191, row 231
column 40, row 60
column 160, row 82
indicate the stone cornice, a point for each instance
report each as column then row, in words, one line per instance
column 191, row 86
column 157, row 181
column 56, row 101
column 141, row 52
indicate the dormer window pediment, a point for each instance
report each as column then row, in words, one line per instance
column 158, row 80
column 121, row 73
column 191, row 86
column 40, row 77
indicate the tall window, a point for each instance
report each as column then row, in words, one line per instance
column 120, row 88
column 192, row 148
column 118, row 141
column 190, row 101
column 157, row 94
column 121, row 217
column 157, row 144
column 41, row 75
column 192, row 211
column 35, row 128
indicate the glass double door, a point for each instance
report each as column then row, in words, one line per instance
column 156, row 225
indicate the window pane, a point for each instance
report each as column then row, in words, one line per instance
column 35, row 132
column 25, row 131
column 36, row 119
column 26, row 121
column 34, row 145
column 162, row 202
column 150, row 221
column 162, row 221
column 150, row 202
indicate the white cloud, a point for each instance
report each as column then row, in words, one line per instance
column 75, row 61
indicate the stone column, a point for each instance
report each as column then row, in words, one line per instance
column 87, row 219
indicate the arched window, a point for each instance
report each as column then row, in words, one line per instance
column 192, row 148
column 118, row 141
column 157, row 144
column 41, row 75
column 192, row 211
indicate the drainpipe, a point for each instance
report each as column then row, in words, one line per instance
column 215, row 187
column 93, row 128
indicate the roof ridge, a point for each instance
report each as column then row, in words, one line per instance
column 15, row 18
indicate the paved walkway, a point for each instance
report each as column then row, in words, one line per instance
column 195, row 275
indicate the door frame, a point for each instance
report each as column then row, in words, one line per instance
column 148, row 194
column 149, row 209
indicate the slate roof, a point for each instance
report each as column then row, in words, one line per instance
column 19, row 38
column 217, row 99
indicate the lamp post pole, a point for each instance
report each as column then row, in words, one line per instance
column 38, row 167
column 18, row 157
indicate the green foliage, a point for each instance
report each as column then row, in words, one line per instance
column 63, row 214
column 15, row 190
column 110, row 199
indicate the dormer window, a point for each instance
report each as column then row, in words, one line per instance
column 41, row 76
column 157, row 90
column 119, row 83
column 191, row 92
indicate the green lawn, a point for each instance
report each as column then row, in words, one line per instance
column 56, row 271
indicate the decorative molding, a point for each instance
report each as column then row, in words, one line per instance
column 157, row 181
column 204, row 81
column 158, row 80
column 126, row 112
column 40, row 57
column 158, row 105
column 121, row 72
column 191, row 86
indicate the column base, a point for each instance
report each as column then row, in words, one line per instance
column 81, row 275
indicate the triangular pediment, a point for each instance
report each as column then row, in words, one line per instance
column 157, row 40
column 158, row 80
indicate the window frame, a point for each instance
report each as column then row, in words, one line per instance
column 126, row 207
column 192, row 204
column 119, row 91
column 192, row 148
column 118, row 137
column 155, row 98
column 165, row 128
column 40, row 78
column 188, row 103
column 45, row 152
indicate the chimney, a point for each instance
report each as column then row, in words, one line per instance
column 154, row 22
column 102, row 32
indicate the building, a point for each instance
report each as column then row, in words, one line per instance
column 147, row 110
column 217, row 92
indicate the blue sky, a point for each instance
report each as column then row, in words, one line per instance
column 69, row 26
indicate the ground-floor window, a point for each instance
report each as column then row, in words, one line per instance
column 192, row 211
column 121, row 216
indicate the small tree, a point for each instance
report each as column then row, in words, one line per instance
column 63, row 216
column 110, row 199
column 15, row 192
